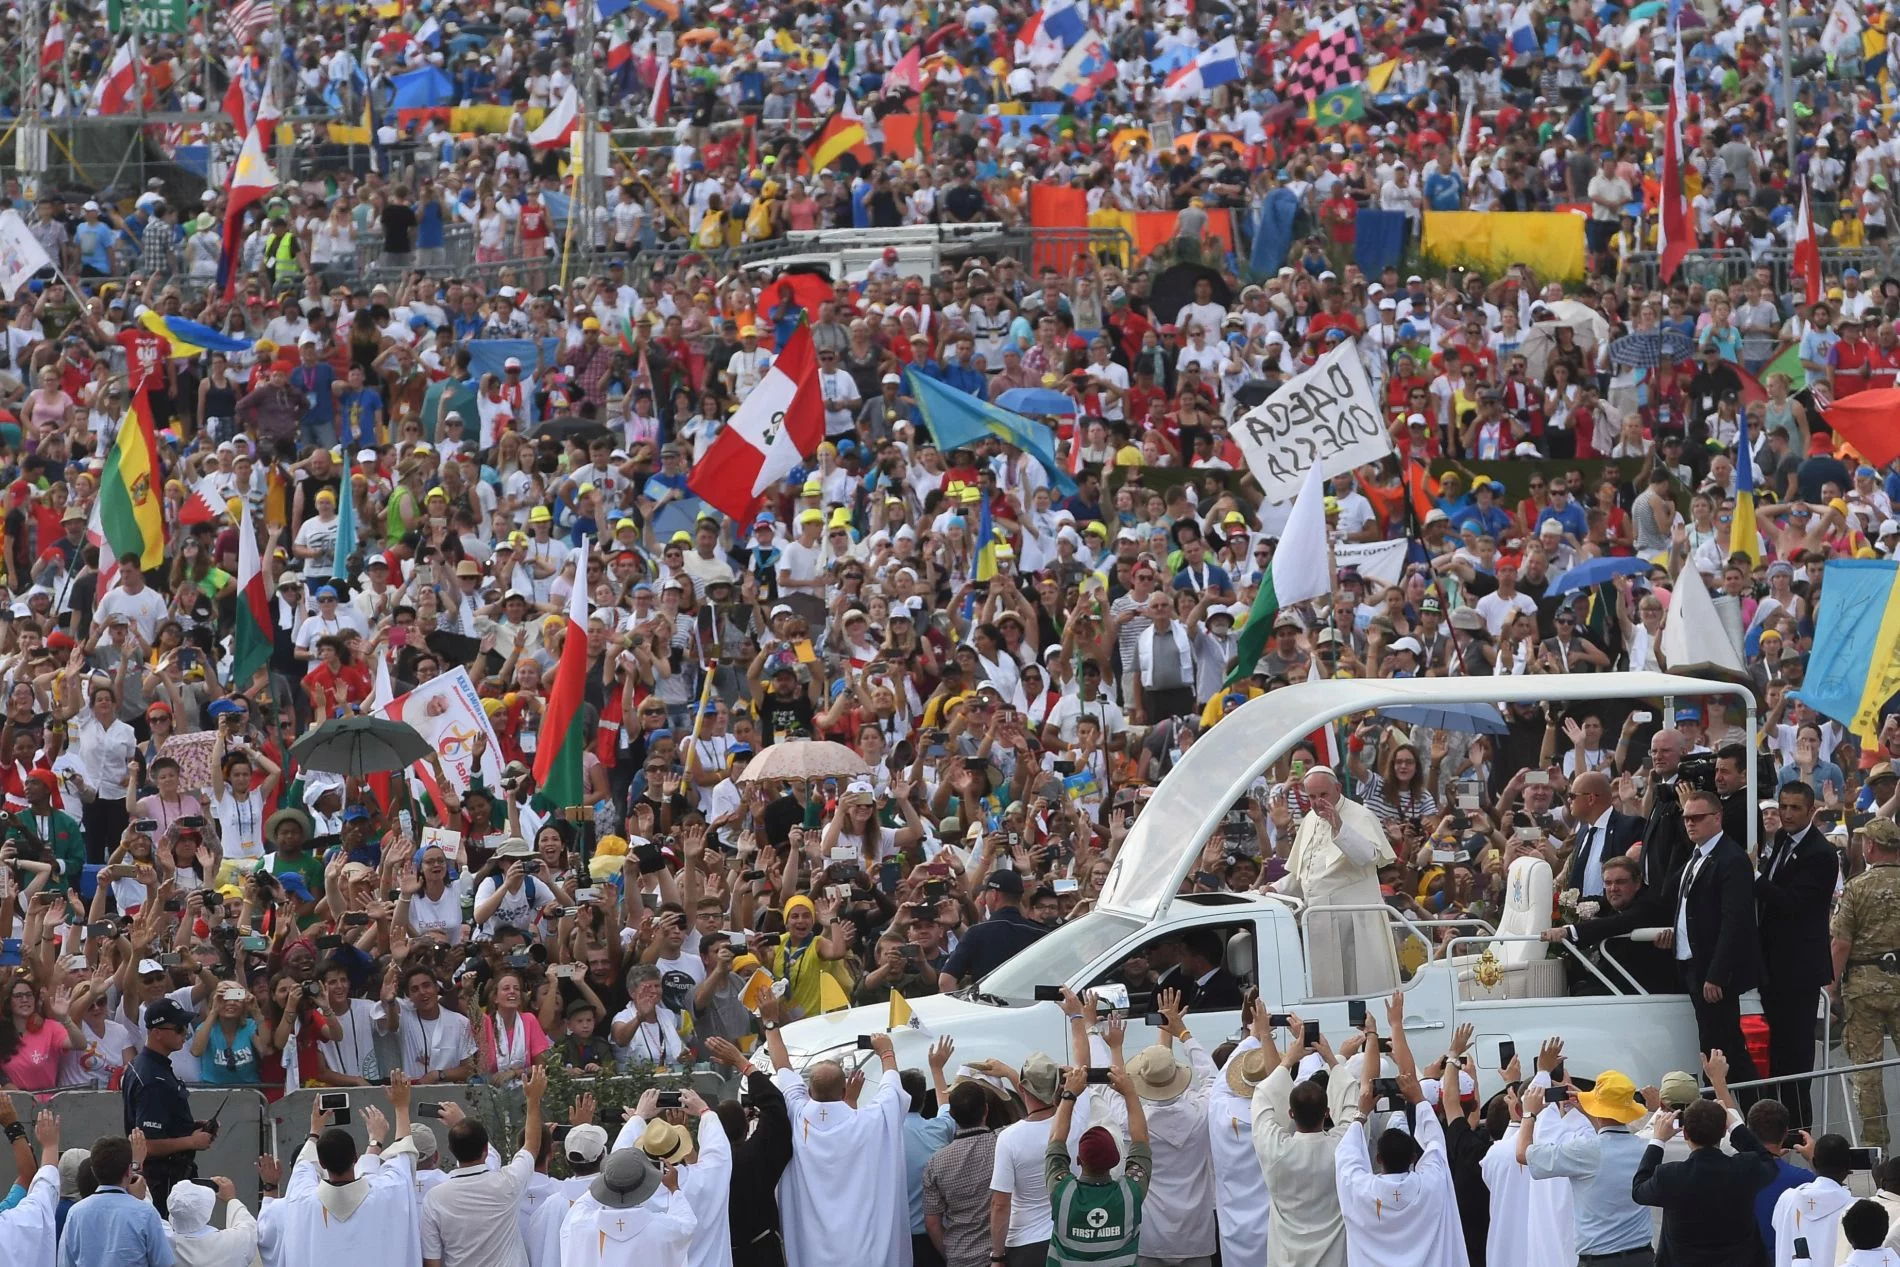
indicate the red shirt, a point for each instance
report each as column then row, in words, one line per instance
column 1849, row 360
column 533, row 221
column 1886, row 366
column 144, row 355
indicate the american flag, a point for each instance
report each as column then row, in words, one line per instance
column 247, row 18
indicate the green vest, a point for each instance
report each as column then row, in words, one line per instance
column 1097, row 1223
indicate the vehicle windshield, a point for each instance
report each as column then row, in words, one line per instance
column 1057, row 957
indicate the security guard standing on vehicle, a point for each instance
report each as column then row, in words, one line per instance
column 1866, row 943
column 156, row 1102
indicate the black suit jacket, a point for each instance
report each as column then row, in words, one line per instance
column 1724, row 948
column 1700, row 1199
column 1621, row 834
column 1795, row 904
column 1665, row 840
column 1653, row 967
column 1219, row 993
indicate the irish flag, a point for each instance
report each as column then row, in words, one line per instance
column 557, row 762
column 251, row 641
column 1297, row 574
column 131, row 519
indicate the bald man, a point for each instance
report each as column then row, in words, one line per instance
column 1602, row 832
column 1337, row 853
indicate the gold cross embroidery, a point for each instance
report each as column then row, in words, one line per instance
column 1378, row 1207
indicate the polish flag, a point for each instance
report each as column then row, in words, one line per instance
column 54, row 50
column 1807, row 251
column 780, row 424
column 113, row 93
column 1674, row 235
column 560, row 122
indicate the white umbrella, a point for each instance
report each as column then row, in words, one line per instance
column 804, row 759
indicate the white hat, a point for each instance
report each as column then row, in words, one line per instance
column 1415, row 420
column 585, row 1143
column 1408, row 644
column 90, row 206
column 366, row 455
column 1386, row 305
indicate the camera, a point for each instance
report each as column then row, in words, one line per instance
column 312, row 989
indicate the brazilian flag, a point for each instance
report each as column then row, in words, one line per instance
column 1341, row 105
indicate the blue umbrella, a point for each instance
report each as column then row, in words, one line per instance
column 1468, row 719
column 1596, row 571
column 1036, row 400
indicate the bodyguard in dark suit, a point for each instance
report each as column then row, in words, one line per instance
column 1602, row 832
column 1629, row 905
column 1794, row 894
column 1714, row 937
column 1209, row 985
column 1665, row 845
column 1699, row 1196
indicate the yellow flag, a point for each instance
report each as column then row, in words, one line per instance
column 900, row 1011
column 831, row 996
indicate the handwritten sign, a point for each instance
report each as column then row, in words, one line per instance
column 1329, row 415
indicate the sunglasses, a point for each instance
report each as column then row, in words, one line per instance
column 1691, row 818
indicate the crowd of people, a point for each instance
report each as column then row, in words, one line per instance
column 1017, row 652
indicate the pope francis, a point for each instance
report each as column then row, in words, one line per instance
column 1337, row 853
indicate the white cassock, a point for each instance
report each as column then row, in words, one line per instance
column 655, row 1233
column 1405, row 1220
column 26, row 1231
column 1882, row 1257
column 1553, row 1201
column 842, row 1200
column 371, row 1221
column 544, row 1226
column 706, row 1183
column 1174, row 1222
column 1304, row 1228
column 195, row 1243
column 1509, row 1236
column 1811, row 1210
column 1351, row 954
column 1240, row 1189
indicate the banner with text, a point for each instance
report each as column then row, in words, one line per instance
column 1328, row 415
column 1381, row 561
column 448, row 714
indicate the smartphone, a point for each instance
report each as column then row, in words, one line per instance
column 1312, row 1034
column 1557, row 1074
column 912, row 953
column 651, row 901
column 146, row 825
column 1507, row 1052
column 254, row 945
column 329, row 941
column 1385, row 1090
column 844, row 853
column 1356, row 1013
column 1534, row 778
column 1298, row 766
column 171, row 959
column 1444, row 856
column 392, row 895
column 1098, row 1077
column 102, row 928
column 337, row 1105
column 1279, row 1020
column 586, row 895
column 191, row 820
column 1469, row 803
column 1063, row 768
column 1642, row 717
column 429, row 1108
column 1065, row 886
column 1557, row 1095
column 1048, row 994
column 1385, row 1045
column 751, row 876
column 356, row 919
column 1863, row 1158
column 1794, row 1138
column 864, row 1043
column 1532, row 834
column 1801, row 1253
column 10, row 950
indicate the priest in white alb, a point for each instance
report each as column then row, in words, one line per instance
column 842, row 1200
column 1337, row 853
column 1812, row 1211
column 584, row 1149
column 26, row 1231
column 1297, row 1127
column 1240, row 1188
column 344, row 1209
column 632, row 1215
column 1395, row 1193
column 703, row 1160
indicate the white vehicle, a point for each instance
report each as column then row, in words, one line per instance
column 1500, row 981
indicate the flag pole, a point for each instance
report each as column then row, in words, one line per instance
column 699, row 717
column 573, row 214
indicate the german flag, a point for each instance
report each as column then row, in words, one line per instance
column 839, row 136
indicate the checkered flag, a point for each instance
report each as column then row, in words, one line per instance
column 1329, row 57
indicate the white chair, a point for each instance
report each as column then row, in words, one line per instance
column 1528, row 971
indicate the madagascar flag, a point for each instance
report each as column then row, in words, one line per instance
column 557, row 762
column 252, row 638
column 131, row 519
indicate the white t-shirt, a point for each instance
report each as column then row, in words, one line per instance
column 144, row 609
column 93, row 1064
column 1018, row 1171
column 444, row 914
column 431, row 1046
column 241, row 825
column 517, row 910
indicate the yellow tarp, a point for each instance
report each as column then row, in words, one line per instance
column 1491, row 241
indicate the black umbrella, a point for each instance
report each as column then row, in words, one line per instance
column 1425, row 41
column 358, row 746
column 1174, row 290
column 1519, row 76
column 1467, row 57
column 1252, row 393
column 570, row 428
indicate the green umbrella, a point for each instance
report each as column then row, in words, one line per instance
column 357, row 746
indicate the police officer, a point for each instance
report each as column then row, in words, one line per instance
column 156, row 1103
column 1866, row 944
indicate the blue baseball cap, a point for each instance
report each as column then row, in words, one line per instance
column 326, row 591
column 708, row 709
column 294, row 885
column 739, row 750
column 355, row 813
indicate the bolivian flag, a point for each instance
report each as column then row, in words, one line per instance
column 131, row 519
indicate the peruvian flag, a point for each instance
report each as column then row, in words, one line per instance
column 564, row 739
column 1807, row 250
column 202, row 507
column 780, row 424
column 559, row 123
column 252, row 178
column 1674, row 235
column 54, row 50
column 252, row 639
column 113, row 93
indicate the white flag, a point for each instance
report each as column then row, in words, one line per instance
column 1842, row 32
column 21, row 254
column 1692, row 632
column 1327, row 417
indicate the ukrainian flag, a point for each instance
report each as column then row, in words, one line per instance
column 1854, row 667
column 957, row 419
column 985, row 541
column 1742, row 536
